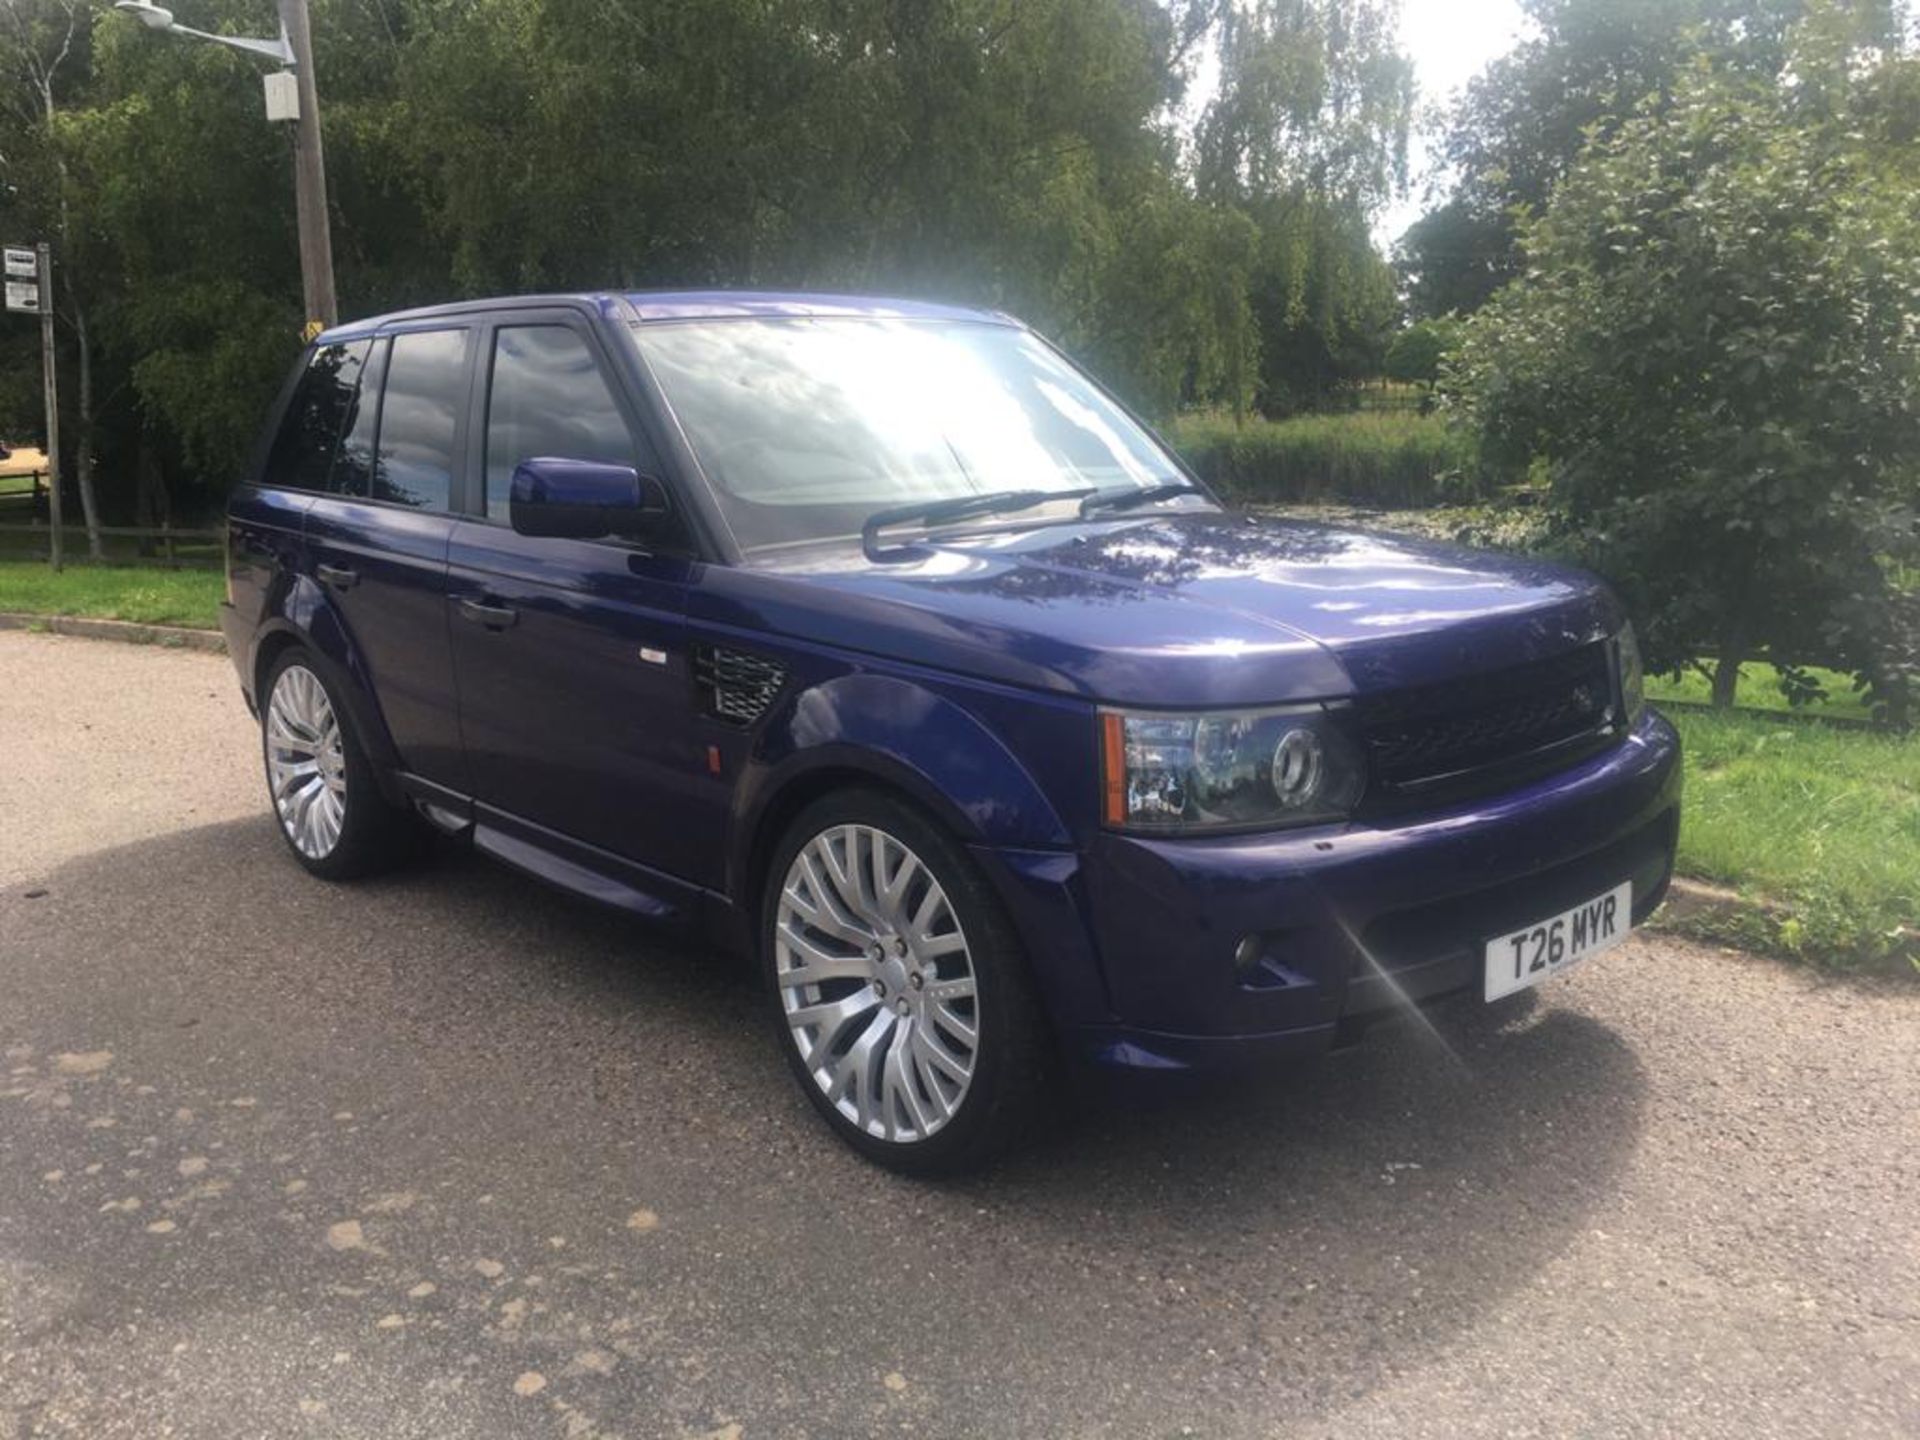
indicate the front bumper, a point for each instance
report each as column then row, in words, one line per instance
column 1352, row 921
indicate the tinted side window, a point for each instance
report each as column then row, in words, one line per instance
column 419, row 418
column 548, row 398
column 303, row 449
column 352, row 472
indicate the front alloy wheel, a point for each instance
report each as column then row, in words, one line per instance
column 877, row 983
column 902, row 993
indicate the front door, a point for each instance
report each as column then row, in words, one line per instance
column 576, row 693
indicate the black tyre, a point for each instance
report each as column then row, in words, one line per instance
column 902, row 998
column 319, row 780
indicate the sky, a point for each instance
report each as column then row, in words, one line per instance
column 1449, row 42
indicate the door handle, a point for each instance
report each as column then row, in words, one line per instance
column 338, row 576
column 494, row 617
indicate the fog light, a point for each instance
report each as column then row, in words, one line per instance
column 1247, row 953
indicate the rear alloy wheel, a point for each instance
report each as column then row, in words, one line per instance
column 331, row 812
column 306, row 763
column 901, row 989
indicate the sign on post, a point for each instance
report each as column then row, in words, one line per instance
column 23, row 279
column 29, row 279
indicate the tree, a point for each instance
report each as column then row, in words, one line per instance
column 1015, row 154
column 1453, row 258
column 1416, row 354
column 1307, row 136
column 1714, row 350
column 47, row 48
column 1519, row 126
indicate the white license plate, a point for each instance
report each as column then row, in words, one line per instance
column 1535, row 952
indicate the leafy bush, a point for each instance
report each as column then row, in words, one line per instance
column 1395, row 460
column 1416, row 352
column 1714, row 351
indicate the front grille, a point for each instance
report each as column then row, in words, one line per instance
column 738, row 686
column 1451, row 733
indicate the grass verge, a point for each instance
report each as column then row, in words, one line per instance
column 142, row 594
column 1365, row 457
column 1823, row 821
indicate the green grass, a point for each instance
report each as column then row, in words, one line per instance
column 1823, row 820
column 1760, row 690
column 144, row 594
column 1400, row 459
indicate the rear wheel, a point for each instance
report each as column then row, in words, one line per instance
column 331, row 812
column 901, row 991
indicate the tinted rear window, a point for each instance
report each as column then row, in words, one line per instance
column 420, row 418
column 352, row 472
column 302, row 451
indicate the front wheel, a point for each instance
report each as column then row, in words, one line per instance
column 902, row 994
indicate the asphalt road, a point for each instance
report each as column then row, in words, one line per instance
column 448, row 1155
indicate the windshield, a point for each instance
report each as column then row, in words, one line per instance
column 805, row 427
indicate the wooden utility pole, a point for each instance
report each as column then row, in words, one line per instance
column 310, row 176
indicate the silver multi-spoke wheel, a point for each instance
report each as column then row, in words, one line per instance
column 877, row 983
column 306, row 762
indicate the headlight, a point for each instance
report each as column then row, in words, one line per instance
column 1633, row 675
column 1227, row 770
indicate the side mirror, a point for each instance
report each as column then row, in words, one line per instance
column 583, row 499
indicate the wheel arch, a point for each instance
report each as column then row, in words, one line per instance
column 815, row 782
column 313, row 629
column 888, row 734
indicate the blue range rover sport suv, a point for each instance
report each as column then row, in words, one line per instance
column 875, row 640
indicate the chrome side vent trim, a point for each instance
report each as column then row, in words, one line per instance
column 735, row 686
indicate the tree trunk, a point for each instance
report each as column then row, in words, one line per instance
column 1726, row 669
column 83, row 447
column 1899, row 702
column 1726, row 680
column 43, row 75
column 1734, row 629
column 152, row 509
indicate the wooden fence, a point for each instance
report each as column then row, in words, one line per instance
column 163, row 545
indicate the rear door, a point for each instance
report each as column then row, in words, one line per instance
column 575, row 690
column 377, row 538
column 266, row 516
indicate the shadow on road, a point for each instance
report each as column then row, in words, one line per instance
column 1314, row 1230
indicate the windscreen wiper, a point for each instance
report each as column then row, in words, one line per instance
column 1127, row 497
column 961, row 507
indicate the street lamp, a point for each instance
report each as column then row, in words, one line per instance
column 290, row 96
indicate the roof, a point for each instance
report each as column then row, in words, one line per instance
column 724, row 304
column 649, row 306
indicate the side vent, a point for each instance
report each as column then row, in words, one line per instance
column 735, row 686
